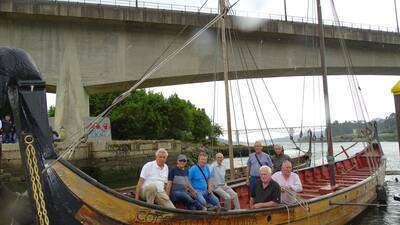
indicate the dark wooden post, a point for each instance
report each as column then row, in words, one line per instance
column 397, row 19
column 396, row 94
column 284, row 6
column 1, row 154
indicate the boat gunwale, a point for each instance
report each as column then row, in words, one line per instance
column 222, row 213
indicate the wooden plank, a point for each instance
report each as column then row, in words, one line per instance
column 392, row 172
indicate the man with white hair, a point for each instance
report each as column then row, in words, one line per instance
column 218, row 171
column 153, row 177
column 288, row 181
column 266, row 192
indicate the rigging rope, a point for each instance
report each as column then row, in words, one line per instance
column 69, row 150
column 237, row 87
column 355, row 89
column 245, row 67
column 270, row 96
column 262, row 113
column 229, row 40
column 240, row 97
column 215, row 92
column 349, row 65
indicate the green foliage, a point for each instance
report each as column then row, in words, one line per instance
column 349, row 130
column 387, row 125
column 52, row 111
column 151, row 116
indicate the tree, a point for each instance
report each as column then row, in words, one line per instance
column 52, row 111
column 151, row 116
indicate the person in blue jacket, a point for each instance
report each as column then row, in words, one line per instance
column 200, row 178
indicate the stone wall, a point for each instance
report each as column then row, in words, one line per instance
column 112, row 162
column 101, row 154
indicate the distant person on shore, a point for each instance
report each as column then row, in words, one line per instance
column 278, row 158
column 288, row 181
column 218, row 171
column 266, row 192
column 179, row 187
column 8, row 129
column 255, row 161
column 153, row 177
column 1, row 131
column 200, row 178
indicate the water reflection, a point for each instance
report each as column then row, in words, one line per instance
column 385, row 215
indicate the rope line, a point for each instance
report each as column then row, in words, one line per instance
column 69, row 150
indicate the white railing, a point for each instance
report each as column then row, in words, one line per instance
column 254, row 14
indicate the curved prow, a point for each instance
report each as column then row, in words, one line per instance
column 21, row 84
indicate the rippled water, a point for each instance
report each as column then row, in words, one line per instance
column 391, row 214
column 384, row 215
column 372, row 215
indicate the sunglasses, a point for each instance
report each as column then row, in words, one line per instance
column 182, row 160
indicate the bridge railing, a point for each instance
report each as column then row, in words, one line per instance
column 254, row 14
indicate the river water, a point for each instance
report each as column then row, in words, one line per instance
column 372, row 215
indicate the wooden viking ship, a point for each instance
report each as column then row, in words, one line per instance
column 61, row 194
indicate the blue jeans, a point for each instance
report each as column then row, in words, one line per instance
column 204, row 197
column 7, row 137
column 187, row 200
column 252, row 180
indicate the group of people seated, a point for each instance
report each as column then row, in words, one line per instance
column 271, row 181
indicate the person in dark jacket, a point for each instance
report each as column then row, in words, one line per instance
column 278, row 158
column 8, row 129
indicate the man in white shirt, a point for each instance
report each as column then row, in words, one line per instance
column 288, row 181
column 153, row 177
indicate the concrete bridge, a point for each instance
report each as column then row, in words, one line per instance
column 89, row 48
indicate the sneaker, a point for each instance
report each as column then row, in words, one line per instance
column 210, row 208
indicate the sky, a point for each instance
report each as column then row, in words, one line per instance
column 287, row 92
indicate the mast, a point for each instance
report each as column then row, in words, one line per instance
column 222, row 7
column 284, row 6
column 396, row 94
column 330, row 157
column 397, row 19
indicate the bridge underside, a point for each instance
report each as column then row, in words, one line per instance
column 250, row 74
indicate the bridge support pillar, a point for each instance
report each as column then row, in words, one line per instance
column 72, row 100
column 6, row 5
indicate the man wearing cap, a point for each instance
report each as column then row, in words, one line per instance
column 152, row 181
column 179, row 187
column 218, row 171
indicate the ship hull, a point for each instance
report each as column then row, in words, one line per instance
column 98, row 204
